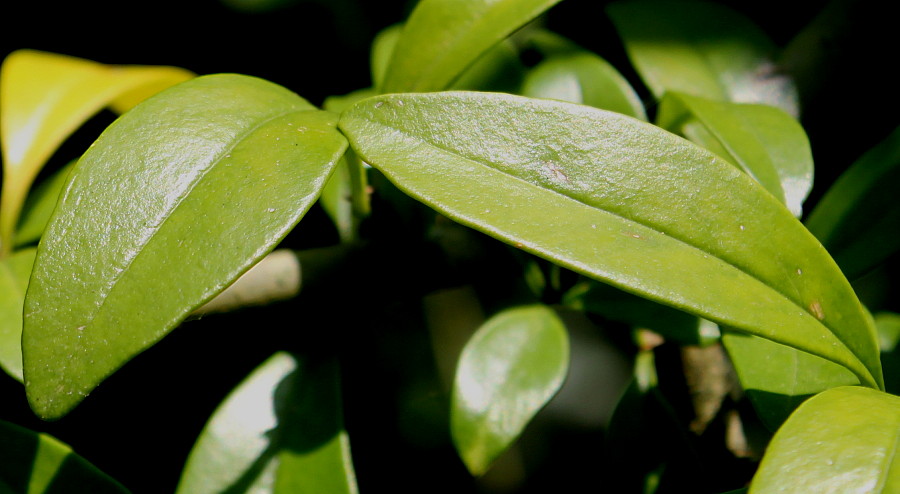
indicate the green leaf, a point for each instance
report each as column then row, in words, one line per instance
column 176, row 199
column 44, row 97
column 36, row 463
column 442, row 38
column 777, row 378
column 583, row 78
column 382, row 51
column 704, row 49
column 279, row 431
column 842, row 440
column 764, row 141
column 888, row 324
column 39, row 207
column 858, row 218
column 14, row 273
column 624, row 202
column 507, row 372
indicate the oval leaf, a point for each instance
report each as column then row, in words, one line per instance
column 583, row 78
column 507, row 372
column 624, row 202
column 704, row 49
column 34, row 463
column 14, row 273
column 176, row 199
column 279, row 431
column 442, row 38
column 44, row 97
column 858, row 218
column 764, row 141
column 842, row 440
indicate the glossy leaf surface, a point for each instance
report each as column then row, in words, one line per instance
column 859, row 217
column 777, row 378
column 703, row 49
column 35, row 463
column 842, row 440
column 444, row 37
column 624, row 202
column 279, row 431
column 583, row 78
column 39, row 207
column 44, row 97
column 176, row 199
column 14, row 273
column 764, row 141
column 507, row 372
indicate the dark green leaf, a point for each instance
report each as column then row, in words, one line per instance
column 507, row 372
column 624, row 202
column 842, row 440
column 444, row 37
column 35, row 463
column 859, row 217
column 279, row 431
column 704, row 49
column 14, row 273
column 176, row 199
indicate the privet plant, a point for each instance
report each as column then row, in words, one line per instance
column 676, row 220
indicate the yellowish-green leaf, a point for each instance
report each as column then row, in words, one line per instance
column 39, row 207
column 14, row 273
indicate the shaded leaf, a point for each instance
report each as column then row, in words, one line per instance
column 842, row 440
column 704, row 49
column 44, row 97
column 583, row 78
column 442, row 38
column 507, row 372
column 39, row 207
column 14, row 273
column 888, row 324
column 764, row 141
column 279, row 431
column 36, row 463
column 624, row 202
column 381, row 52
column 198, row 184
column 859, row 217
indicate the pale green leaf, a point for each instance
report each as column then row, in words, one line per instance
column 624, row 202
column 44, row 97
column 704, row 49
column 176, row 199
column 442, row 38
column 382, row 51
column 39, row 207
column 279, row 431
column 507, row 372
column 762, row 140
column 14, row 273
column 36, row 463
column 842, row 440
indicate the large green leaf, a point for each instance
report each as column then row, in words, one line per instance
column 442, row 38
column 583, row 78
column 702, row 48
column 859, row 217
column 624, row 202
column 842, row 440
column 174, row 201
column 507, row 372
column 44, row 97
column 36, row 463
column 14, row 273
column 762, row 140
column 279, row 431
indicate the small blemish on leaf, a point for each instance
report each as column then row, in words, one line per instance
column 379, row 104
column 815, row 308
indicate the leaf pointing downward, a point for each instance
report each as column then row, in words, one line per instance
column 175, row 200
column 624, row 202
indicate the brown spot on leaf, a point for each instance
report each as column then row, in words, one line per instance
column 815, row 308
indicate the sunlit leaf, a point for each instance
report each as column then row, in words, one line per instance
column 442, row 38
column 507, row 372
column 859, row 217
column 14, row 273
column 35, row 463
column 842, row 440
column 764, row 141
column 279, row 431
column 44, row 97
column 176, row 199
column 624, row 202
column 704, row 49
